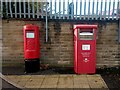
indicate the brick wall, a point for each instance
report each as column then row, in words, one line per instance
column 107, row 45
column 59, row 49
column 0, row 44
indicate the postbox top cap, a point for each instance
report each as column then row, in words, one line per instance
column 85, row 26
column 30, row 26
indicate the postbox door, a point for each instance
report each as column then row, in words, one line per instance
column 30, row 44
column 30, row 40
column 86, row 51
column 30, row 47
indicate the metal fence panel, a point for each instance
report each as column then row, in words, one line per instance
column 62, row 9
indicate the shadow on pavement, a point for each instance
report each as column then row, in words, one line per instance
column 8, row 86
column 49, row 71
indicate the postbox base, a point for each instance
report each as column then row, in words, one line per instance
column 32, row 65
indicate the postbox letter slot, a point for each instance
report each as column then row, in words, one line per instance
column 30, row 34
column 86, row 34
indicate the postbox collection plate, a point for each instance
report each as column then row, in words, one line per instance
column 30, row 35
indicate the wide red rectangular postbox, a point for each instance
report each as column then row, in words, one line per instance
column 85, row 48
column 31, row 47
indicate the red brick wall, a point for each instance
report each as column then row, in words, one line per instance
column 59, row 49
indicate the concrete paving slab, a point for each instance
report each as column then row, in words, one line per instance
column 23, row 82
column 65, row 81
column 35, row 81
column 70, row 81
column 50, row 81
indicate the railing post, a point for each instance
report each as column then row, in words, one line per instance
column 7, row 8
column 41, row 11
column 63, row 9
column 24, row 10
column 15, row 9
column 72, row 11
column 37, row 10
column 109, row 10
column 55, row 9
column 1, row 8
column 68, row 10
column 118, row 7
column 93, row 9
column 51, row 9
column 80, row 9
column 10, row 7
column 84, row 9
column 89, row 10
column 101, row 9
column 113, row 10
column 105, row 10
column 33, row 10
column 76, row 8
column 97, row 10
column 20, row 8
column 59, row 9
column 28, row 9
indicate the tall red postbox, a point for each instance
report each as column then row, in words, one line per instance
column 85, row 49
column 31, row 47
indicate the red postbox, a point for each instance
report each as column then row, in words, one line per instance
column 85, row 48
column 31, row 47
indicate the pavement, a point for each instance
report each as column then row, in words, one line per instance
column 50, row 79
column 7, row 84
column 71, row 81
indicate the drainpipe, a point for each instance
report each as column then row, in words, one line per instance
column 119, row 30
column 46, row 24
column 118, row 12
